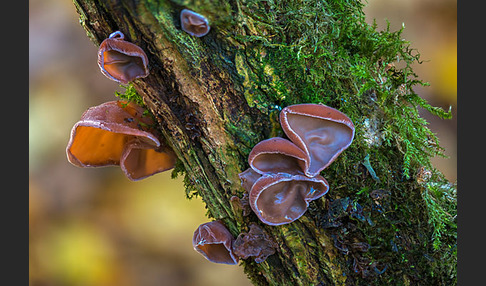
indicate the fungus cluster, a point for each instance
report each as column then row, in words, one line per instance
column 284, row 175
column 214, row 241
column 118, row 133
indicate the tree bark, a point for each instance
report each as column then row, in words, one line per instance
column 389, row 217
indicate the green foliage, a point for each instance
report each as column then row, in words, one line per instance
column 130, row 94
column 325, row 52
column 179, row 169
column 440, row 197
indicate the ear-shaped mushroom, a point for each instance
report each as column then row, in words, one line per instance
column 193, row 23
column 140, row 160
column 281, row 198
column 277, row 155
column 214, row 241
column 120, row 60
column 115, row 133
column 321, row 131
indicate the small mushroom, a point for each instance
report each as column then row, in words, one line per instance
column 321, row 131
column 193, row 23
column 117, row 133
column 214, row 241
column 256, row 243
column 120, row 60
column 282, row 198
column 277, row 155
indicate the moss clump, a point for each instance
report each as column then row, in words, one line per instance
column 440, row 197
column 324, row 52
column 190, row 188
column 130, row 94
column 319, row 52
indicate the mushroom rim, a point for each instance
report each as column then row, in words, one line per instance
column 128, row 131
column 334, row 116
column 127, row 48
column 262, row 148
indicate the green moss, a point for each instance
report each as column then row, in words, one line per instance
column 180, row 170
column 441, row 197
column 315, row 56
column 130, row 94
column 324, row 52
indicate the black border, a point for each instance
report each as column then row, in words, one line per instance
column 470, row 145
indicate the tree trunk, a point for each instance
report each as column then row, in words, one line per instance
column 389, row 216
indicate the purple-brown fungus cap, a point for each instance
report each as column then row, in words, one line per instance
column 117, row 133
column 248, row 178
column 321, row 131
column 277, row 155
column 214, row 241
column 120, row 60
column 282, row 198
column 193, row 23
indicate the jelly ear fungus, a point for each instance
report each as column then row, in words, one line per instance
column 284, row 176
column 117, row 133
column 282, row 198
column 276, row 155
column 194, row 24
column 320, row 131
column 256, row 243
column 120, row 60
column 214, row 241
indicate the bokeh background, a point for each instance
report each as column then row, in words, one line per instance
column 94, row 226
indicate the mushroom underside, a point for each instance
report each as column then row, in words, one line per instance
column 122, row 66
column 216, row 252
column 140, row 160
column 276, row 163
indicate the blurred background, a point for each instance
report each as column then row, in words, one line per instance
column 95, row 227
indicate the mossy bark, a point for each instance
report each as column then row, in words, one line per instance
column 215, row 97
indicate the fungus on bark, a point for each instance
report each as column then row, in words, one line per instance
column 320, row 131
column 120, row 60
column 193, row 23
column 248, row 178
column 256, row 243
column 277, row 155
column 284, row 175
column 117, row 133
column 282, row 198
column 214, row 241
